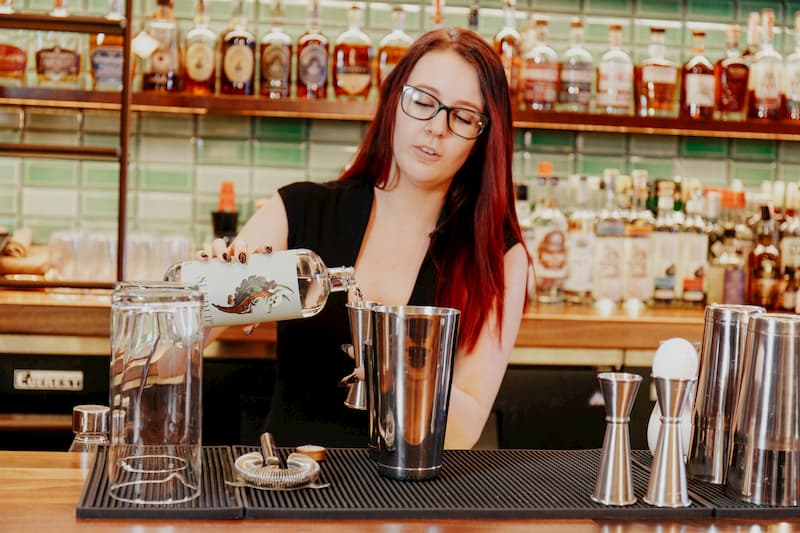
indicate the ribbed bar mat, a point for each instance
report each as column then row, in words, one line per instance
column 714, row 496
column 216, row 499
column 471, row 484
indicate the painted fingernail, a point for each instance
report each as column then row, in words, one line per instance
column 225, row 256
column 203, row 254
column 268, row 249
column 346, row 348
column 242, row 257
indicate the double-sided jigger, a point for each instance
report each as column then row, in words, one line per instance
column 667, row 486
column 360, row 396
column 614, row 484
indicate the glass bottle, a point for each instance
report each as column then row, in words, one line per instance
column 437, row 13
column 763, row 264
column 106, row 54
column 788, row 290
column 13, row 51
column 580, row 245
column 91, row 427
column 352, row 59
column 692, row 253
column 312, row 58
column 655, row 79
column 507, row 43
column 608, row 249
column 731, row 73
column 275, row 55
column 549, row 242
column 753, row 37
column 58, row 54
column 726, row 273
column 540, row 71
column 791, row 77
column 615, row 77
column 636, row 280
column 238, row 55
column 697, row 87
column 161, row 69
column 575, row 72
column 665, row 246
column 199, row 59
column 279, row 286
column 393, row 46
column 764, row 98
column 472, row 18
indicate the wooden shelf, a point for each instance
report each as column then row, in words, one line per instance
column 52, row 151
column 72, row 23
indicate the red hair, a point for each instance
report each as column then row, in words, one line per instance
column 469, row 243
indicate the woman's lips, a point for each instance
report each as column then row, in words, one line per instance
column 427, row 153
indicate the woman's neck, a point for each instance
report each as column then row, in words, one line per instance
column 420, row 207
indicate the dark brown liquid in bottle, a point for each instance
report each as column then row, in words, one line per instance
column 352, row 70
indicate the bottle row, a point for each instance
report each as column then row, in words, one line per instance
column 665, row 242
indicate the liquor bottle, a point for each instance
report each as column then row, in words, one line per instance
column 692, row 253
column 507, row 43
column 763, row 263
column 655, row 79
column 744, row 233
column 278, row 286
column 609, row 230
column 726, row 273
column 697, row 87
column 540, row 71
column 665, row 246
column 764, row 98
column 13, row 51
column 615, row 77
column 575, row 72
column 580, row 245
column 791, row 77
column 790, row 238
column 199, row 60
column 106, row 54
column 393, row 46
column 275, row 55
column 788, row 290
column 58, row 56
column 472, row 18
column 753, row 37
column 549, row 242
column 636, row 279
column 437, row 13
column 161, row 69
column 312, row 58
column 238, row 55
column 731, row 73
column 352, row 59
column 522, row 205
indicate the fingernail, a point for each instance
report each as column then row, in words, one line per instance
column 203, row 254
column 225, row 256
column 268, row 249
column 248, row 330
column 242, row 257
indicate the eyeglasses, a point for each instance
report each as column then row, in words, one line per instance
column 422, row 105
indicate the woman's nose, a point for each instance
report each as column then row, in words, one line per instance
column 438, row 124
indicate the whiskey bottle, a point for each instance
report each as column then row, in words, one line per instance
column 393, row 46
column 665, row 246
column 726, row 273
column 352, row 59
column 609, row 231
column 636, row 279
column 13, row 51
column 312, row 58
column 656, row 79
column 106, row 54
column 763, row 264
column 731, row 73
column 58, row 54
column 697, row 87
column 161, row 69
column 540, row 71
column 549, row 242
column 764, row 95
column 275, row 55
column 238, row 55
column 791, row 77
column 580, row 245
column 615, row 77
column 575, row 72
column 507, row 43
column 200, row 60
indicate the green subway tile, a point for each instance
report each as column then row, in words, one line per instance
column 597, row 36
column 100, row 140
column 51, row 137
column 609, row 7
column 602, row 143
column 330, row 156
column 10, row 136
column 321, row 175
column 8, row 200
column 10, row 170
column 746, row 6
column 166, row 149
column 99, row 204
column 708, row 171
column 47, row 173
column 654, row 145
column 714, row 42
column 673, row 36
column 165, row 124
column 9, row 223
column 156, row 226
column 267, row 181
column 103, row 225
column 706, row 147
column 563, row 164
column 789, row 151
column 789, row 172
column 545, row 140
column 568, row 6
column 52, row 120
column 10, row 118
column 165, row 178
column 656, row 168
column 103, row 122
column 753, row 150
column 752, row 173
column 220, row 10
column 658, row 10
column 98, row 7
column 522, row 138
column 518, row 166
column 221, row 152
column 42, row 228
column 204, row 206
column 223, row 126
column 339, row 131
column 101, row 175
column 281, row 129
column 594, row 165
column 276, row 154
column 53, row 202
column 711, row 10
column 208, row 179
column 39, row 5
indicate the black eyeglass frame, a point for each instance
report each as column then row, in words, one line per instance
column 484, row 119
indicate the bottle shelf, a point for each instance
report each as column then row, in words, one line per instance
column 72, row 23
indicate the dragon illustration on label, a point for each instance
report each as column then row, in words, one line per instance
column 252, row 289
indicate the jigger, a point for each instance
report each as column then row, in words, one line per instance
column 667, row 486
column 361, row 333
column 614, row 484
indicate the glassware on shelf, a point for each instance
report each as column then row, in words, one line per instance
column 393, row 46
column 275, row 55
column 161, row 70
column 697, row 87
column 731, row 73
column 614, row 77
column 352, row 59
column 576, row 67
column 508, row 44
column 312, row 58
column 58, row 54
column 791, row 77
column 764, row 95
column 238, row 55
column 106, row 54
column 199, row 49
column 656, row 79
column 13, row 51
column 539, row 71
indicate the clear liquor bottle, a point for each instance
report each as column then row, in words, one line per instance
column 549, row 242
column 790, row 232
column 615, row 77
column 753, row 37
column 275, row 53
column 791, row 77
column 726, row 273
column 731, row 73
column 13, row 51
column 352, row 59
column 608, row 250
column 106, row 54
column 693, row 253
column 697, row 88
column 540, row 71
column 508, row 44
column 636, row 279
column 665, row 246
column 393, row 46
column 238, row 55
column 58, row 54
column 764, row 98
column 199, row 54
column 575, row 72
column 312, row 58
column 161, row 69
column 763, row 263
column 656, row 79
column 580, row 245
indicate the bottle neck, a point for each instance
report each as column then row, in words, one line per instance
column 510, row 19
column 576, row 37
column 341, row 278
column 699, row 45
column 114, row 10
column 540, row 34
column 615, row 39
column 313, row 16
column 398, row 20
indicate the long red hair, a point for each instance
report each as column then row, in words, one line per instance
column 469, row 242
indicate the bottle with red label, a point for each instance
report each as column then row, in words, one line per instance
column 352, row 59
column 548, row 247
column 13, row 51
column 238, row 55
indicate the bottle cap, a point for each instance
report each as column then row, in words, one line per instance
column 90, row 419
column 227, row 201
column 545, row 168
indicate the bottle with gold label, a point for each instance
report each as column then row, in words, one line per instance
column 393, row 46
column 276, row 58
column 162, row 68
column 655, row 79
column 238, row 55
column 199, row 55
column 58, row 54
column 13, row 51
column 352, row 59
column 106, row 54
column 312, row 58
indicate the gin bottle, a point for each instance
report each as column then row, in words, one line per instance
column 161, row 69
column 575, row 72
column 106, row 54
column 656, row 79
column 791, row 77
column 393, row 46
column 312, row 58
column 13, row 51
column 549, row 241
column 238, row 53
column 615, row 77
column 764, row 98
column 507, row 43
column 199, row 58
column 352, row 59
column 276, row 58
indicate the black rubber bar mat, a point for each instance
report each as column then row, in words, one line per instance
column 471, row 484
column 216, row 500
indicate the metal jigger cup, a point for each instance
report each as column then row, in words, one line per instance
column 667, row 486
column 361, row 333
column 614, row 484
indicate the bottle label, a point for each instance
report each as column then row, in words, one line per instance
column 276, row 63
column 790, row 251
column 12, row 60
column 700, row 90
column 107, row 65
column 615, row 85
column 636, row 262
column 580, row 249
column 264, row 289
column 312, row 66
column 199, row 61
column 791, row 74
column 162, row 62
column 576, row 83
column 56, row 63
column 692, row 265
column 239, row 63
column 541, row 81
column 353, row 79
column 733, row 285
column 659, row 74
column 665, row 254
column 607, row 281
column 767, row 84
column 549, row 257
